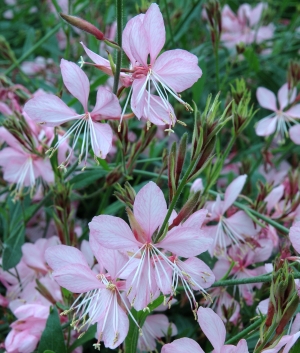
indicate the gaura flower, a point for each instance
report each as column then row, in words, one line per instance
column 50, row 110
column 281, row 118
column 159, row 267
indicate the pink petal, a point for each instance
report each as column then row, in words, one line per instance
column 150, row 208
column 163, row 276
column 182, row 345
column 76, row 81
column 86, row 250
column 127, row 35
column 220, row 268
column 212, row 326
column 295, row 134
column 177, row 69
column 295, row 236
column 59, row 256
column 266, row 98
column 256, row 13
column 274, row 197
column 42, row 168
column 155, row 29
column 138, row 43
column 186, row 242
column 98, row 60
column 198, row 272
column 196, row 219
column 279, row 345
column 159, row 324
column 286, row 97
column 242, row 224
column 242, row 346
column 266, row 126
column 107, row 105
column 233, row 190
column 77, row 278
column 294, row 112
column 156, row 112
column 264, row 251
column 113, row 233
column 101, row 138
column 296, row 324
column 291, row 342
column 6, row 136
column 138, row 98
column 49, row 109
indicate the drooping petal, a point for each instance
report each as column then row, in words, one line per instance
column 266, row 98
column 286, row 97
column 77, row 278
column 294, row 236
column 155, row 30
column 101, row 138
column 76, row 81
column 213, row 327
column 177, row 69
column 233, row 190
column 6, row 136
column 48, row 109
column 98, row 60
column 138, row 98
column 186, row 242
column 107, row 105
column 113, row 233
column 182, row 345
column 157, row 111
column 150, row 208
column 266, row 126
column 295, row 134
column 59, row 256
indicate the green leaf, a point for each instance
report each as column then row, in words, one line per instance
column 296, row 347
column 197, row 88
column 88, row 336
column 86, row 178
column 48, row 351
column 52, row 337
column 12, row 252
column 140, row 316
column 252, row 59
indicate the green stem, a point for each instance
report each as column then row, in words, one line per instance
column 269, row 334
column 169, row 22
column 216, row 51
column 32, row 49
column 119, row 6
column 245, row 332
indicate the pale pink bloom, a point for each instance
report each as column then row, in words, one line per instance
column 295, row 134
column 154, row 328
column 27, row 329
column 244, row 257
column 275, row 175
column 214, row 329
column 287, row 341
column 281, row 117
column 234, row 229
column 34, row 67
column 99, row 298
column 51, row 110
column 244, row 27
column 159, row 266
column 294, row 236
column 197, row 185
column 21, row 166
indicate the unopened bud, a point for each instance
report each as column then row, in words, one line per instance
column 288, row 313
column 83, row 25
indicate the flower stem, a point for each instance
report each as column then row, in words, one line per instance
column 245, row 332
column 119, row 7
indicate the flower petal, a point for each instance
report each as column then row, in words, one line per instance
column 182, row 345
column 101, row 138
column 155, row 30
column 196, row 219
column 295, row 134
column 48, row 109
column 177, row 69
column 294, row 236
column 98, row 60
column 233, row 190
column 107, row 105
column 77, row 278
column 266, row 98
column 59, row 256
column 150, row 208
column 76, row 81
column 198, row 273
column 213, row 327
column 294, row 112
column 286, row 97
column 113, row 233
column 186, row 242
column 127, row 35
column 266, row 126
column 138, row 42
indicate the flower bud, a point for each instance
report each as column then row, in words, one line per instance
column 83, row 25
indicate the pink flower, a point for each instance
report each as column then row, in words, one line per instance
column 214, row 329
column 154, row 328
column 295, row 236
column 159, row 265
column 281, row 117
column 234, row 229
column 51, row 110
column 295, row 134
column 244, row 27
column 99, row 298
column 22, row 166
column 27, row 329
